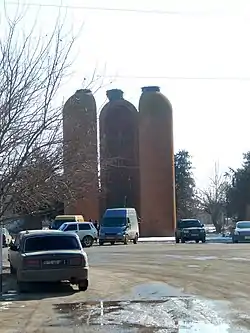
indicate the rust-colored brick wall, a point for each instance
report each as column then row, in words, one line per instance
column 156, row 164
column 80, row 154
column 119, row 152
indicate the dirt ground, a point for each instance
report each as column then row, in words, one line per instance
column 213, row 271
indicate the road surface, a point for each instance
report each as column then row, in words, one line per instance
column 142, row 288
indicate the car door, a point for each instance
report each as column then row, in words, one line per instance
column 84, row 230
column 129, row 230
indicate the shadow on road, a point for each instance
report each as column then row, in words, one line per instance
column 36, row 291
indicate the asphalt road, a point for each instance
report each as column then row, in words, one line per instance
column 141, row 288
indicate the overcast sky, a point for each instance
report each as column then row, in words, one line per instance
column 186, row 47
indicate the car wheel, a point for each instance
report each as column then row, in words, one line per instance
column 112, row 243
column 125, row 240
column 135, row 240
column 101, row 243
column 83, row 285
column 12, row 270
column 235, row 241
column 183, row 240
column 197, row 241
column 22, row 286
column 87, row 241
column 203, row 240
column 177, row 240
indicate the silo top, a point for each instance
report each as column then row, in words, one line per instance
column 82, row 99
column 114, row 94
column 83, row 91
column 150, row 89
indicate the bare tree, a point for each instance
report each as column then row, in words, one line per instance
column 30, row 122
column 212, row 200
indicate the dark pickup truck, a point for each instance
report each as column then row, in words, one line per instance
column 189, row 230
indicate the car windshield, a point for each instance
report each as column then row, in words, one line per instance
column 189, row 224
column 48, row 243
column 242, row 225
column 114, row 221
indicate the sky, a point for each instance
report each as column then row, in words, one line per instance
column 197, row 52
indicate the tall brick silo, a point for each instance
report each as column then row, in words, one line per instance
column 119, row 152
column 157, row 177
column 80, row 154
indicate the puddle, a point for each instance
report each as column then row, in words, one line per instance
column 5, row 305
column 184, row 257
column 193, row 266
column 182, row 315
column 205, row 258
column 154, row 290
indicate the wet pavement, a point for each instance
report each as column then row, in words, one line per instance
column 148, row 311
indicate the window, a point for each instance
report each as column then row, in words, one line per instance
column 243, row 225
column 189, row 224
column 84, row 226
column 48, row 243
column 71, row 227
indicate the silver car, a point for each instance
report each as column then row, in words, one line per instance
column 241, row 232
column 48, row 256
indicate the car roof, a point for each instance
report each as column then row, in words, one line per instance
column 243, row 222
column 27, row 233
column 76, row 222
column 188, row 220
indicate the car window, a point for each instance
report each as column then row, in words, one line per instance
column 84, row 226
column 48, row 243
column 70, row 227
column 243, row 225
column 189, row 224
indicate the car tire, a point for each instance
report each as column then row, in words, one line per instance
column 125, row 240
column 235, row 241
column 203, row 240
column 22, row 287
column 83, row 285
column 87, row 241
column 112, row 243
column 177, row 240
column 135, row 240
column 197, row 241
column 182, row 240
column 101, row 243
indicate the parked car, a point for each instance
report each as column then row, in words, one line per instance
column 241, row 232
column 190, row 229
column 85, row 230
column 48, row 256
column 119, row 225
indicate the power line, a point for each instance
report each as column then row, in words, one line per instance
column 113, row 9
column 215, row 78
